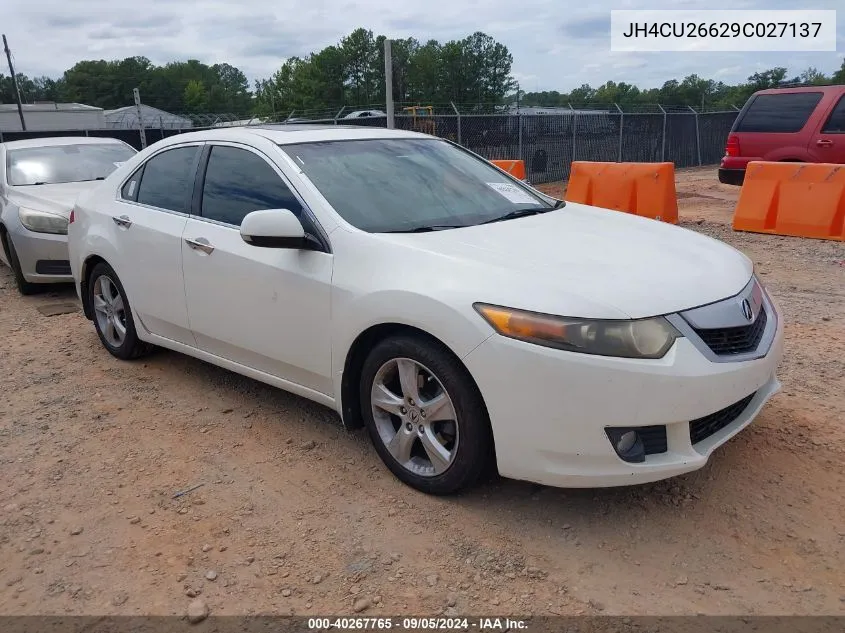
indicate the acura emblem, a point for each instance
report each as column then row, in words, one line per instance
column 746, row 309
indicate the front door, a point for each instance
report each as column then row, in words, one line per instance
column 265, row 308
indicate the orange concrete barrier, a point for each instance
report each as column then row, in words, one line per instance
column 798, row 199
column 644, row 189
column 515, row 168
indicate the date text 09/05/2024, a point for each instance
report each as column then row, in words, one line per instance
column 417, row 624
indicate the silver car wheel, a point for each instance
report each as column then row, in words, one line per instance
column 415, row 417
column 110, row 311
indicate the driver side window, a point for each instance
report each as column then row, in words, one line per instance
column 238, row 182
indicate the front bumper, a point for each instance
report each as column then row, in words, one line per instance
column 43, row 256
column 549, row 408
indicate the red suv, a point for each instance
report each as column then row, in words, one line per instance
column 786, row 124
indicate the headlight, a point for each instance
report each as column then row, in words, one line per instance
column 641, row 338
column 42, row 221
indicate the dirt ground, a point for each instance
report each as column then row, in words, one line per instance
column 295, row 515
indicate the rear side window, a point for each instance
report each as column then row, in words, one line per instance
column 168, row 179
column 238, row 182
column 786, row 112
column 836, row 121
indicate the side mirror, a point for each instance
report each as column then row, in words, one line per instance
column 274, row 228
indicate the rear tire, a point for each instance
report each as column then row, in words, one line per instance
column 113, row 314
column 425, row 415
column 24, row 287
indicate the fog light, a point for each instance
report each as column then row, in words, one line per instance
column 627, row 443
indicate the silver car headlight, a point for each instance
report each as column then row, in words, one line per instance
column 640, row 338
column 43, row 221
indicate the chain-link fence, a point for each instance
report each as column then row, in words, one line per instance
column 548, row 143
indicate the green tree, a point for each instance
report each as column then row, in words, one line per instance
column 581, row 95
column 767, row 79
column 361, row 56
column 424, row 73
column 814, row 76
column 403, row 52
column 839, row 76
column 195, row 97
column 230, row 91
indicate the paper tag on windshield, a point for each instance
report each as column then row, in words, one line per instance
column 512, row 193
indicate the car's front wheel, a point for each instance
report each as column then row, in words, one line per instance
column 112, row 314
column 24, row 287
column 425, row 415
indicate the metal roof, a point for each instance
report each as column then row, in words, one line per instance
column 49, row 107
column 51, row 141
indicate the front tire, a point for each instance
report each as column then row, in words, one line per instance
column 24, row 287
column 425, row 415
column 113, row 314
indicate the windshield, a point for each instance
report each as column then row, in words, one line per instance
column 387, row 185
column 56, row 164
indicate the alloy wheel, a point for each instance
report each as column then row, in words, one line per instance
column 415, row 417
column 110, row 311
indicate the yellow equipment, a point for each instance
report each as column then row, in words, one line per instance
column 422, row 119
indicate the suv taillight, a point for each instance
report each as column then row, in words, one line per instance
column 71, row 218
column 732, row 146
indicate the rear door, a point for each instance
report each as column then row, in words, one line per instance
column 149, row 218
column 827, row 145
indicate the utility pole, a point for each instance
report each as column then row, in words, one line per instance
column 517, row 97
column 14, row 82
column 388, row 83
column 137, row 95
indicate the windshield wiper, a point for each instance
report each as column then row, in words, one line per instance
column 519, row 213
column 426, row 228
column 91, row 179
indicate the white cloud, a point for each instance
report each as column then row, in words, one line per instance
column 554, row 46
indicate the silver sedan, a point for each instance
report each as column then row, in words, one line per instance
column 39, row 182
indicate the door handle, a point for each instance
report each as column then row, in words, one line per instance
column 123, row 221
column 200, row 244
column 823, row 142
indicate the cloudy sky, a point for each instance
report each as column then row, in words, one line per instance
column 555, row 46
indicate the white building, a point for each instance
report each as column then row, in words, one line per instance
column 127, row 118
column 50, row 116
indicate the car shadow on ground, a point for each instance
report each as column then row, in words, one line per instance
column 494, row 494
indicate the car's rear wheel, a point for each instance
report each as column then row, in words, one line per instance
column 113, row 315
column 24, row 287
column 425, row 415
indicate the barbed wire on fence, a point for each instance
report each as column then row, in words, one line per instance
column 127, row 117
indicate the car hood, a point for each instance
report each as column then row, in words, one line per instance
column 634, row 266
column 57, row 198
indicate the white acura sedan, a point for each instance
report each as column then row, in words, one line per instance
column 461, row 316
